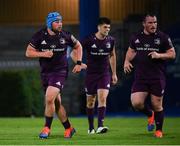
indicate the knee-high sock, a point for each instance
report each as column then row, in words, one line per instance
column 101, row 115
column 48, row 121
column 90, row 115
column 66, row 124
column 159, row 119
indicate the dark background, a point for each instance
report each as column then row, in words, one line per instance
column 20, row 90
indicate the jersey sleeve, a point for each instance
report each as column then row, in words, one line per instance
column 131, row 42
column 35, row 40
column 167, row 43
column 72, row 40
column 113, row 42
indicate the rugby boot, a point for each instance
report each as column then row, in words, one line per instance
column 158, row 134
column 101, row 130
column 68, row 133
column 150, row 126
column 44, row 133
column 91, row 131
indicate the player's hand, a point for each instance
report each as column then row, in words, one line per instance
column 154, row 55
column 76, row 69
column 114, row 79
column 127, row 67
column 48, row 54
column 83, row 66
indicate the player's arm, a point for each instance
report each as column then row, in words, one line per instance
column 74, row 56
column 78, row 50
column 169, row 54
column 33, row 53
column 130, row 54
column 112, row 61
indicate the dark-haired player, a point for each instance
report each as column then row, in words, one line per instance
column 101, row 57
column 149, row 49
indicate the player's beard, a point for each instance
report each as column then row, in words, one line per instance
column 56, row 31
column 152, row 30
column 105, row 33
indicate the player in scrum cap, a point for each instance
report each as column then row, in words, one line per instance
column 50, row 46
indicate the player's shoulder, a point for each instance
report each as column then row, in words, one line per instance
column 65, row 33
column 136, row 35
column 40, row 34
column 162, row 34
column 111, row 38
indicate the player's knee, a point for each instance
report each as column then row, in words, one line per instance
column 157, row 108
column 137, row 105
column 49, row 101
column 102, row 102
column 90, row 103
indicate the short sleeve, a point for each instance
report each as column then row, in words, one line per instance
column 35, row 40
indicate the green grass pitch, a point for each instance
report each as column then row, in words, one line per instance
column 123, row 131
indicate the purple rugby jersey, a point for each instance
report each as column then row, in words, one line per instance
column 98, row 66
column 145, row 67
column 42, row 41
column 98, row 52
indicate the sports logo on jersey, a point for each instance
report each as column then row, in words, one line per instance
column 74, row 40
column 62, row 41
column 94, row 46
column 157, row 41
column 85, row 89
column 170, row 42
column 43, row 42
column 58, row 83
column 162, row 92
column 101, row 50
column 146, row 45
column 53, row 46
column 108, row 45
column 137, row 41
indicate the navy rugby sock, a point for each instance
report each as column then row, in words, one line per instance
column 101, row 115
column 48, row 121
column 66, row 124
column 90, row 114
column 159, row 119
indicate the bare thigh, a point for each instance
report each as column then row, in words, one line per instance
column 138, row 99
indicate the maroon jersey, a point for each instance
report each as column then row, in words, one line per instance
column 145, row 67
column 98, row 52
column 98, row 66
column 58, row 43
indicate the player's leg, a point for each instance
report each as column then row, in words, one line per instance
column 91, row 91
column 61, row 113
column 90, row 104
column 102, row 97
column 157, row 93
column 50, row 96
column 158, row 114
column 138, row 102
column 139, row 92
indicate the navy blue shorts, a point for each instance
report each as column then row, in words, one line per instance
column 94, row 82
column 53, row 79
column 155, row 87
